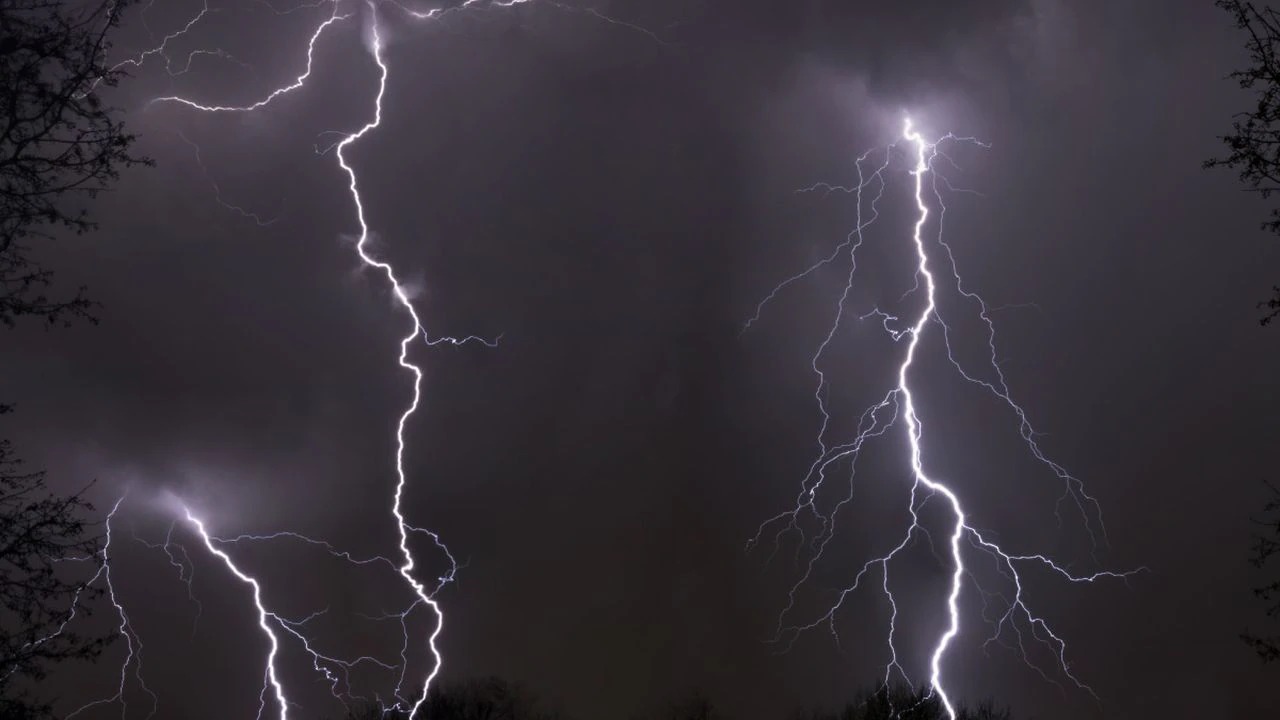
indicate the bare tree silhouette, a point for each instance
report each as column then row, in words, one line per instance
column 45, row 543
column 1265, row 547
column 60, row 142
column 1253, row 147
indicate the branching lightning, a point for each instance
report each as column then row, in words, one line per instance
column 965, row 545
column 132, row 643
column 185, row 567
column 257, row 219
column 276, row 628
column 898, row 404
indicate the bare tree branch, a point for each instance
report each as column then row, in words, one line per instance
column 49, row 556
column 60, row 145
column 59, row 142
column 1266, row 545
column 1253, row 150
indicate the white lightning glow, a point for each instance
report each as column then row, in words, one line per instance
column 264, row 615
column 899, row 403
column 404, row 564
column 257, row 219
column 132, row 643
column 297, row 84
column 334, row 670
column 406, row 569
column 914, row 430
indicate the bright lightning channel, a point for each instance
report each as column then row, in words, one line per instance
column 186, row 569
column 899, row 403
column 405, row 565
column 264, row 615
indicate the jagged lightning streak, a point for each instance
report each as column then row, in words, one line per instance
column 914, row 429
column 133, row 644
column 257, row 219
column 264, row 615
column 899, row 402
column 186, row 569
column 406, row 569
column 405, row 565
column 321, row 662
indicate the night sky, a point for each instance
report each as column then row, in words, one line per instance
column 614, row 206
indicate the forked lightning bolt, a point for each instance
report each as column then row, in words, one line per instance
column 898, row 404
column 264, row 616
column 276, row 628
column 132, row 643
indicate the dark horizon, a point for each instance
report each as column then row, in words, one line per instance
column 613, row 198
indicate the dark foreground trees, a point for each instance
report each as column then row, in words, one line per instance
column 59, row 142
column 903, row 703
column 48, row 553
column 484, row 699
column 1254, row 152
column 495, row 699
column 1253, row 147
column 1265, row 548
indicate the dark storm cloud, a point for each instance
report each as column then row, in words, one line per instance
column 615, row 208
column 902, row 52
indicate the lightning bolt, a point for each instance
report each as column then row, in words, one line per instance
column 186, row 569
column 297, row 83
column 269, row 620
column 132, row 643
column 898, row 405
column 257, row 219
column 274, row 626
column 264, row 616
column 407, row 567
column 334, row 670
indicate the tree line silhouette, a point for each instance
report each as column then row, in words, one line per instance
column 1253, row 151
column 496, row 699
